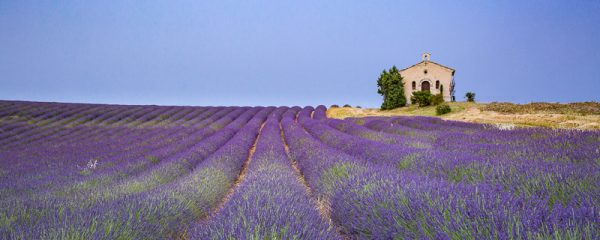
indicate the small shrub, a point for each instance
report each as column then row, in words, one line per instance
column 437, row 99
column 470, row 96
column 422, row 98
column 334, row 106
column 358, row 107
column 442, row 109
column 347, row 105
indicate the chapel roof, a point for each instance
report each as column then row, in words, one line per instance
column 432, row 62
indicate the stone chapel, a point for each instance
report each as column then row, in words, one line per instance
column 428, row 76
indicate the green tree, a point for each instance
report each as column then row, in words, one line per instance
column 470, row 96
column 391, row 87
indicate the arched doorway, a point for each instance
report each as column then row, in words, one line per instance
column 425, row 86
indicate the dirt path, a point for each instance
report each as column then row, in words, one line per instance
column 322, row 205
column 238, row 181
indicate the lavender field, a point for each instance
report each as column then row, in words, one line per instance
column 89, row 171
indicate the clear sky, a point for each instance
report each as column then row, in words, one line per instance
column 293, row 52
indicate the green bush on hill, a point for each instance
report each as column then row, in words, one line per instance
column 437, row 99
column 442, row 109
column 470, row 96
column 422, row 98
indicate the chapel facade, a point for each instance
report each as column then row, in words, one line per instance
column 428, row 76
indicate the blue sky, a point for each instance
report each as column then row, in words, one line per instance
column 292, row 52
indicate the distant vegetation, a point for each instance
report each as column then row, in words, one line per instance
column 583, row 108
column 470, row 96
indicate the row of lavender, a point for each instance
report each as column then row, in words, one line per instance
column 417, row 177
column 270, row 202
column 122, row 174
column 154, row 184
column 135, row 172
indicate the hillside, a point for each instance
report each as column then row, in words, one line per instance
column 584, row 115
column 94, row 171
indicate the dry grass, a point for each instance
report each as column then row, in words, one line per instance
column 581, row 108
column 345, row 112
column 584, row 115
